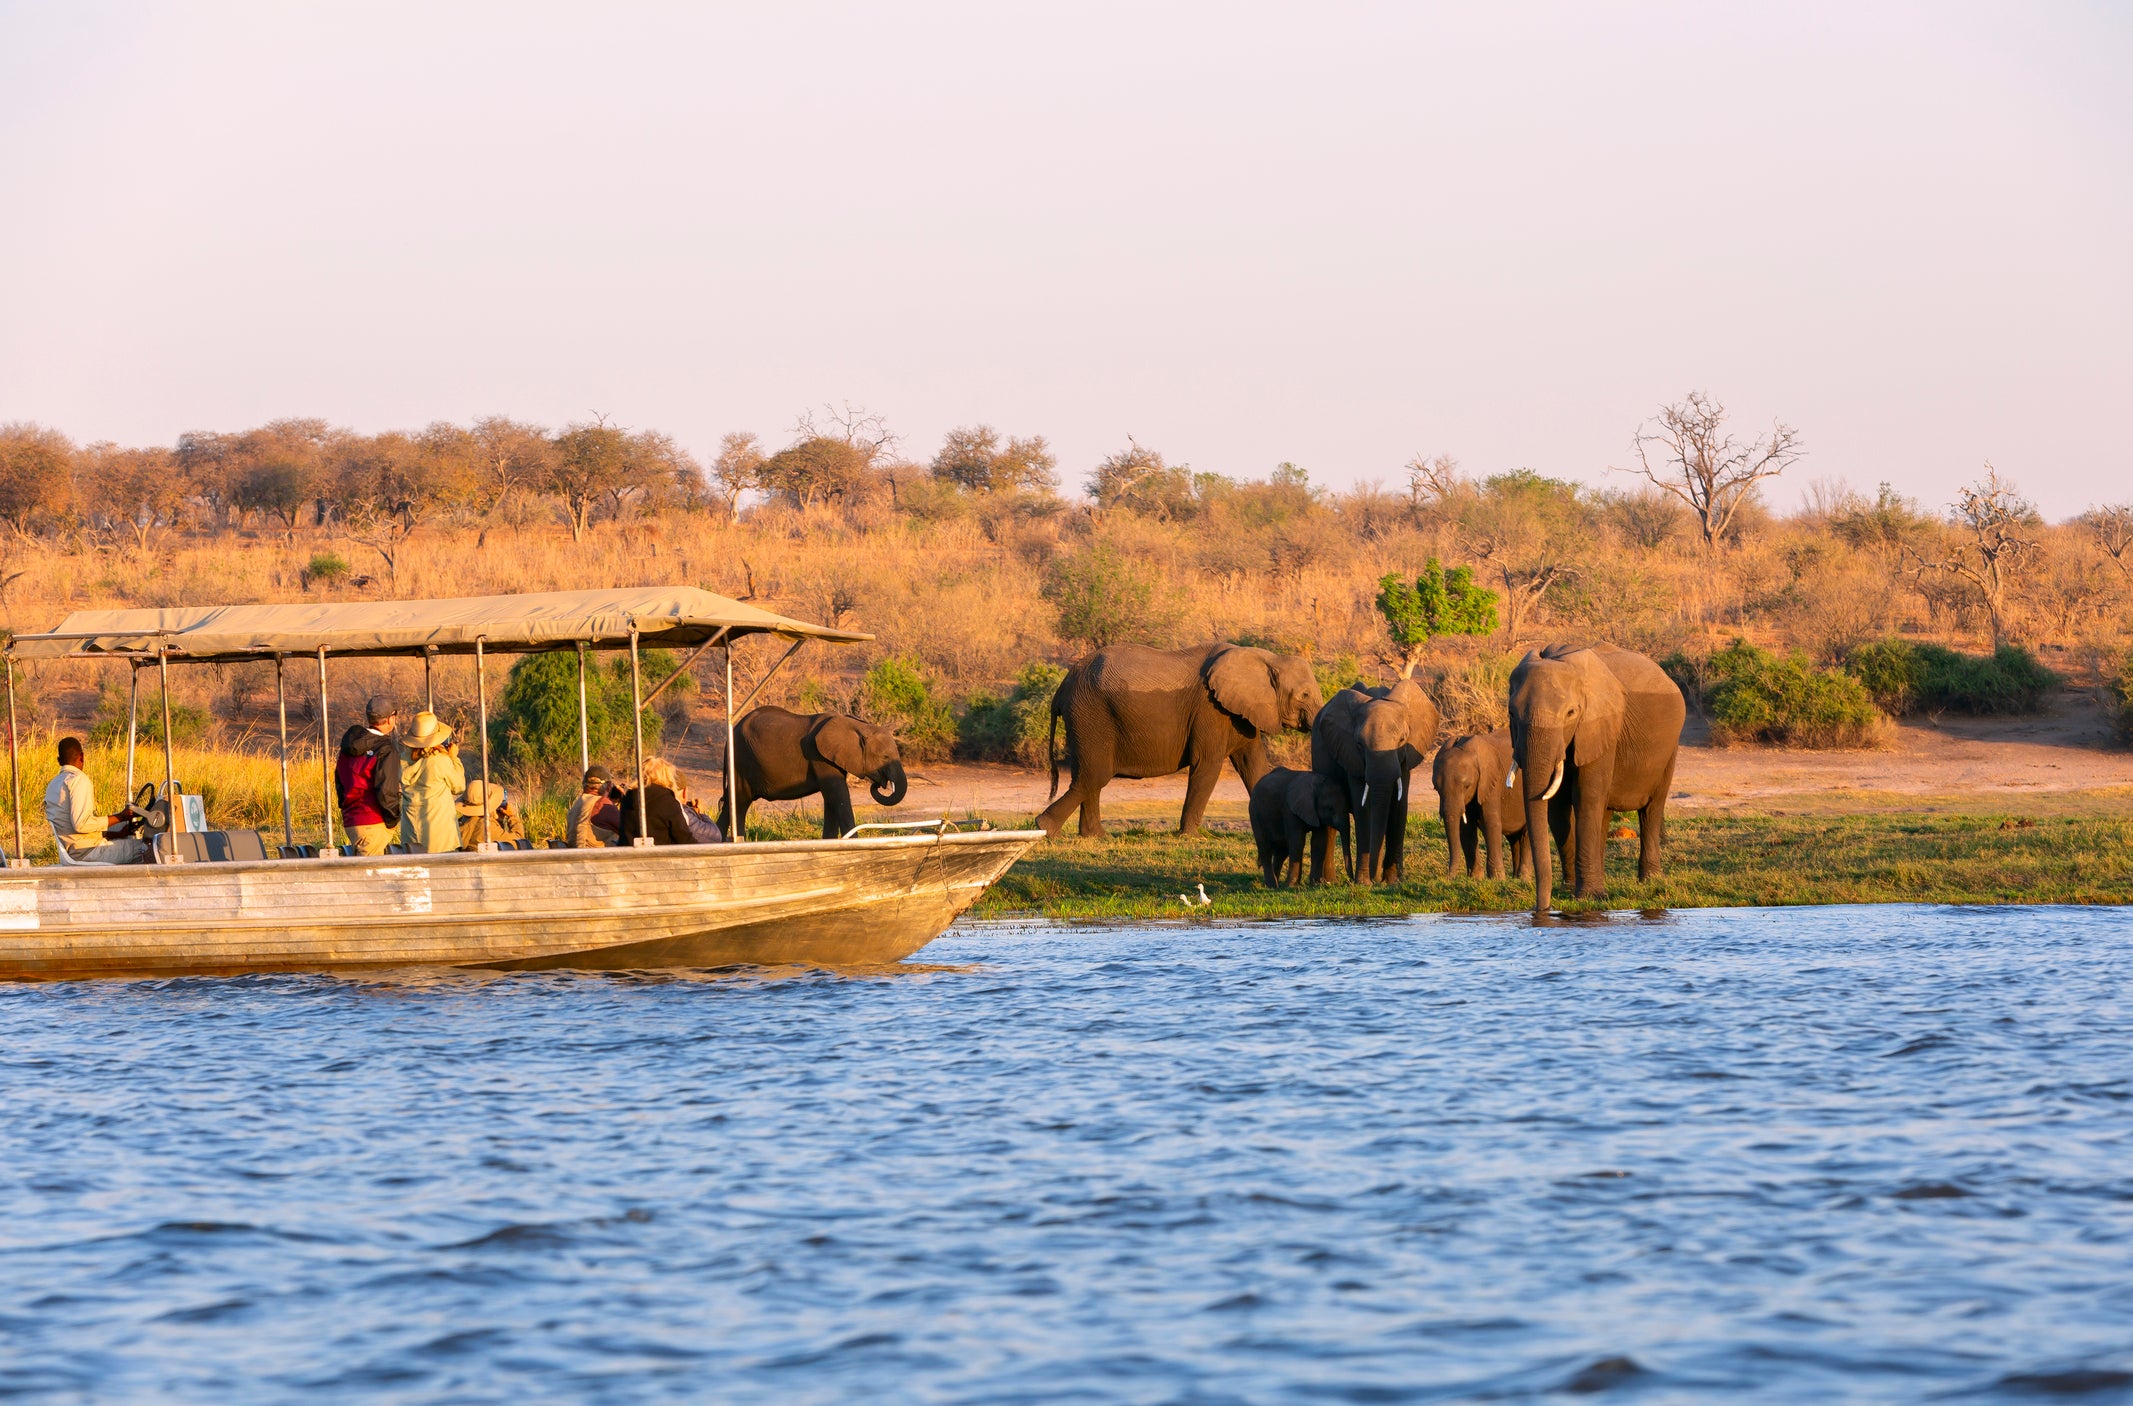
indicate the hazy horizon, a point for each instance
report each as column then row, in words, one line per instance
column 1241, row 235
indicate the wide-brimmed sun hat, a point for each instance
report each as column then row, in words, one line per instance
column 480, row 795
column 427, row 732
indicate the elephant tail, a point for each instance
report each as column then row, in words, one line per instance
column 1051, row 750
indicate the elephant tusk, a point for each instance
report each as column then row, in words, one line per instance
column 1366, row 796
column 1399, row 790
column 1510, row 781
column 1555, row 783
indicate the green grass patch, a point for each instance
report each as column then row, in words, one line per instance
column 1712, row 862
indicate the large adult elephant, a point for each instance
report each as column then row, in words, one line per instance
column 782, row 756
column 1593, row 730
column 1134, row 711
column 1371, row 740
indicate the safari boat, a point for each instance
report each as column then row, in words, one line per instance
column 234, row 901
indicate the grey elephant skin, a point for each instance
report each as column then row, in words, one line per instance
column 1293, row 811
column 782, row 756
column 1134, row 711
column 1371, row 740
column 1477, row 809
column 1593, row 730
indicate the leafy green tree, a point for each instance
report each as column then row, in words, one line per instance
column 1438, row 602
column 535, row 728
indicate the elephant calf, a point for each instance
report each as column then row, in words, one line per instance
column 1471, row 775
column 1286, row 806
column 782, row 756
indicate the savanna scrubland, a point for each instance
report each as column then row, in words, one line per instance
column 984, row 566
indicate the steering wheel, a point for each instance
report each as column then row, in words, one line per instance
column 155, row 813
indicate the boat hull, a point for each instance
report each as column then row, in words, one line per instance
column 823, row 902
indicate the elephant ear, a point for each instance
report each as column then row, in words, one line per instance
column 840, row 742
column 1599, row 726
column 1241, row 681
column 1423, row 719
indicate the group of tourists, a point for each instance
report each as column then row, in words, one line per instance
column 412, row 791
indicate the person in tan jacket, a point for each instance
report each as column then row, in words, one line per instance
column 593, row 817
column 504, row 827
column 430, row 782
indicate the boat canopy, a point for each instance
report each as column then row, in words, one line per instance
column 521, row 624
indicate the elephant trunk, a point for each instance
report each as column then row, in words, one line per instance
column 1373, row 812
column 888, row 785
column 1543, row 761
column 1452, row 812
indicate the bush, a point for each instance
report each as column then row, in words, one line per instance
column 1103, row 598
column 1757, row 696
column 1905, row 678
column 1336, row 674
column 327, row 569
column 1016, row 728
column 896, row 694
column 535, row 727
column 189, row 725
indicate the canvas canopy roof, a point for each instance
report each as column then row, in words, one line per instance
column 662, row 615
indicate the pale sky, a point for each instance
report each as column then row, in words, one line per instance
column 1243, row 234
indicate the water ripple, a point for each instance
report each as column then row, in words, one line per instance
column 1863, row 1154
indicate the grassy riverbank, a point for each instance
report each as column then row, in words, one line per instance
column 1712, row 861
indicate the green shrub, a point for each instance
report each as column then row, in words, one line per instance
column 1015, row 728
column 189, row 725
column 1103, row 598
column 1336, row 674
column 326, row 569
column 534, row 729
column 896, row 694
column 1756, row 696
column 1906, row 678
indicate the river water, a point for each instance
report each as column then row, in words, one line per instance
column 1849, row 1154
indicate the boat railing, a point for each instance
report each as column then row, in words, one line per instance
column 940, row 826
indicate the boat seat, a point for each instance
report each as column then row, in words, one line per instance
column 298, row 851
column 526, row 844
column 396, row 848
column 559, row 844
column 218, row 846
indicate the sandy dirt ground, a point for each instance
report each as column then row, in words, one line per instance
column 2063, row 760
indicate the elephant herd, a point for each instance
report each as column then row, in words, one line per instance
column 1593, row 730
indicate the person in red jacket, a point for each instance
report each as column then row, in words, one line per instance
column 366, row 777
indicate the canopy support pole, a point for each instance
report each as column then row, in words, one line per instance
column 281, row 709
column 133, row 719
column 683, row 668
column 644, row 802
column 325, row 755
column 733, row 777
column 429, row 679
column 585, row 746
column 16, row 860
column 481, row 697
column 170, row 769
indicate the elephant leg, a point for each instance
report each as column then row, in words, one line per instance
column 1519, row 857
column 1487, row 840
column 1651, row 828
column 1562, row 826
column 1394, row 869
column 836, row 807
column 1592, row 840
column 1451, row 815
column 1199, row 788
column 1321, row 847
column 1269, row 862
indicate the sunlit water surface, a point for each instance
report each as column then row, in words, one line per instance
column 1812, row 1154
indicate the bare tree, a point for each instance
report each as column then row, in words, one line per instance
column 1431, row 482
column 512, row 456
column 1995, row 532
column 857, row 426
column 2112, row 529
column 1688, row 452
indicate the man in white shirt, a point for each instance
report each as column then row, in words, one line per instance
column 70, row 809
